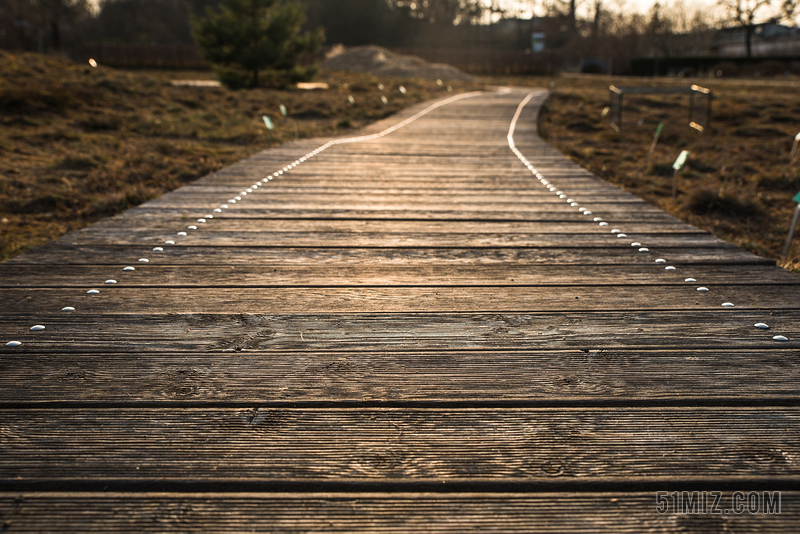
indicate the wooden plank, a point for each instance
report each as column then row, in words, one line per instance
column 436, row 299
column 345, row 213
column 578, row 227
column 612, row 512
column 422, row 274
column 514, row 378
column 207, row 236
column 199, row 331
column 65, row 448
column 63, row 254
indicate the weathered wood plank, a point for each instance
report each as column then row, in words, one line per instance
column 199, row 331
column 63, row 254
column 612, row 512
column 345, row 213
column 436, row 299
column 208, row 236
column 520, row 378
column 134, row 225
column 64, row 447
column 422, row 274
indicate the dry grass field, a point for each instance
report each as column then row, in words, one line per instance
column 738, row 182
column 79, row 143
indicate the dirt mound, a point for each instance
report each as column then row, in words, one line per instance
column 383, row 62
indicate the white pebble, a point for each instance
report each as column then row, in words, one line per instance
column 37, row 327
column 128, row 269
column 703, row 289
column 243, row 193
column 192, row 227
column 661, row 260
column 581, row 209
column 158, row 249
column 201, row 221
column 644, row 249
column 762, row 326
column 780, row 338
column 636, row 244
column 232, row 201
column 603, row 224
column 727, row 304
column 587, row 212
column 144, row 260
column 615, row 230
column 13, row 344
column 690, row 280
column 217, row 210
column 224, row 206
column 562, row 195
column 237, row 198
column 249, row 190
column 570, row 200
column 181, row 233
column 67, row 309
column 170, row 242
column 597, row 219
column 209, row 216
column 622, row 235
column 110, row 281
column 669, row 268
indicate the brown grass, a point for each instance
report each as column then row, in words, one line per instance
column 80, row 143
column 738, row 182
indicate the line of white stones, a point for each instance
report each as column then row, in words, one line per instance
column 585, row 211
column 253, row 188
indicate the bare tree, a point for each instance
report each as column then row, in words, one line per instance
column 745, row 13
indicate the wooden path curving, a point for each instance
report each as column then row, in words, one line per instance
column 413, row 332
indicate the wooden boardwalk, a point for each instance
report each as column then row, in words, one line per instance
column 412, row 332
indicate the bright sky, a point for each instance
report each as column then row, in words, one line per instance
column 526, row 7
column 709, row 8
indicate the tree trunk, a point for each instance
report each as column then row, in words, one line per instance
column 572, row 19
column 748, row 37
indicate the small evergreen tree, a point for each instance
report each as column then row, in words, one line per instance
column 254, row 43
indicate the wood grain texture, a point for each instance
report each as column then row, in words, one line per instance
column 361, row 332
column 417, row 274
column 121, row 255
column 283, row 512
column 629, row 445
column 436, row 299
column 511, row 377
column 404, row 334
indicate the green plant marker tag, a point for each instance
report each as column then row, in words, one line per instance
column 283, row 110
column 268, row 123
column 681, row 161
column 660, row 127
column 797, row 198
